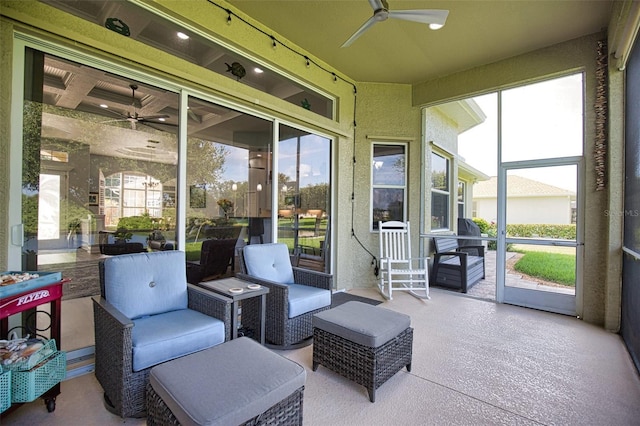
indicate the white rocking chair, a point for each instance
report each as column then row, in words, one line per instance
column 398, row 270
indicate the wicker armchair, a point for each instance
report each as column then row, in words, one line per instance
column 269, row 265
column 115, row 332
column 215, row 258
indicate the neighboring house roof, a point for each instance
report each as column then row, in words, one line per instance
column 518, row 186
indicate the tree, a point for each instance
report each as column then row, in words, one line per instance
column 206, row 163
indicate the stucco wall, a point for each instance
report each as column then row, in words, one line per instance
column 384, row 114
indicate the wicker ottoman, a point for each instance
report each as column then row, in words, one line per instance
column 238, row 382
column 364, row 343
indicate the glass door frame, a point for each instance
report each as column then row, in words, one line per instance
column 548, row 301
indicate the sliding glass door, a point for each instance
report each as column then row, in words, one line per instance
column 113, row 162
column 539, row 245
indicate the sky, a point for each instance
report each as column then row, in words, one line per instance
column 542, row 120
column 314, row 161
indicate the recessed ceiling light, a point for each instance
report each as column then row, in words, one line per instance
column 435, row 26
column 161, row 119
column 182, row 36
column 104, row 106
column 258, row 70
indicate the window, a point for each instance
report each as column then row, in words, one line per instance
column 388, row 177
column 131, row 194
column 462, row 193
column 439, row 192
column 304, row 191
column 51, row 155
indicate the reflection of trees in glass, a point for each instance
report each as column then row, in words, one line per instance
column 389, row 164
column 206, row 163
column 32, row 124
column 314, row 196
column 439, row 180
column 388, row 204
column 398, row 165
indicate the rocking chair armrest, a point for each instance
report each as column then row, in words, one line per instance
column 411, row 259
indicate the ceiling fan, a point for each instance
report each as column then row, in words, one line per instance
column 134, row 118
column 434, row 17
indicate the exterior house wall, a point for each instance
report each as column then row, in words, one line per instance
column 441, row 137
column 522, row 210
column 384, row 114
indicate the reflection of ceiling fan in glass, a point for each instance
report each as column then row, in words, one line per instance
column 134, row 118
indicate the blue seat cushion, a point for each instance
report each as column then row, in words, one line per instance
column 146, row 283
column 304, row 298
column 367, row 325
column 162, row 337
column 269, row 262
column 226, row 385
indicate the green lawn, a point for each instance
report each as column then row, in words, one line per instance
column 555, row 267
column 192, row 250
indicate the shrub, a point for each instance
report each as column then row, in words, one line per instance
column 482, row 224
column 567, row 232
column 143, row 222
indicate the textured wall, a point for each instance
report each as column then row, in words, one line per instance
column 384, row 114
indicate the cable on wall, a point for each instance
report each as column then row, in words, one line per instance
column 374, row 259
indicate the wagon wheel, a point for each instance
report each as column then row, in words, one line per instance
column 51, row 404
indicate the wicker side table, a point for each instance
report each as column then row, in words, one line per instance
column 364, row 343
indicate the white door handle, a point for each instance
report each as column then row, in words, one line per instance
column 17, row 235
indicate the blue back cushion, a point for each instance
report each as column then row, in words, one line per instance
column 269, row 262
column 146, row 283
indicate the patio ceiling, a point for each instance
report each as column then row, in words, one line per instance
column 397, row 51
column 393, row 51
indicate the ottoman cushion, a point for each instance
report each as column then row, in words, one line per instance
column 364, row 324
column 228, row 384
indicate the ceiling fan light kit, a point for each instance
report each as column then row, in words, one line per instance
column 435, row 18
column 134, row 118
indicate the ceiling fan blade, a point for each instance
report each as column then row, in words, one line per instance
column 377, row 4
column 114, row 121
column 433, row 16
column 153, row 117
column 360, row 31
